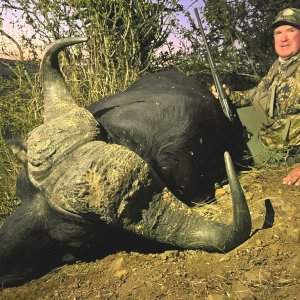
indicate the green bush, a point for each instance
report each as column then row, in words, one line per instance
column 20, row 107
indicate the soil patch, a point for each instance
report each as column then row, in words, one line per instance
column 265, row 267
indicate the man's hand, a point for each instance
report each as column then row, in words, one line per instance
column 215, row 92
column 293, row 177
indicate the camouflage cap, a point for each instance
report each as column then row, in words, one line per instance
column 288, row 16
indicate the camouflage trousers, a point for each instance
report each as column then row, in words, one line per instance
column 259, row 152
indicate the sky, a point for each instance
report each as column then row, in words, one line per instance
column 187, row 4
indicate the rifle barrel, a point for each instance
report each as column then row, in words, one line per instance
column 222, row 95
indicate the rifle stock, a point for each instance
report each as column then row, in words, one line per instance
column 222, row 95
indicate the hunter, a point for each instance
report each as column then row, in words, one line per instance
column 273, row 117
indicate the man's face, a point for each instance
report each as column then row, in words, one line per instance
column 287, row 41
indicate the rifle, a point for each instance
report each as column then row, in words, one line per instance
column 222, row 96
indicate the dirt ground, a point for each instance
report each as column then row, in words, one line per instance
column 265, row 267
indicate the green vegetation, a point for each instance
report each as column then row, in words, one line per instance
column 20, row 107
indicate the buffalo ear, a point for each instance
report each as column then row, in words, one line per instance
column 18, row 149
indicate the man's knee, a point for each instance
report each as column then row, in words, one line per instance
column 249, row 119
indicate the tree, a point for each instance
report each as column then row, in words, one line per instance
column 123, row 35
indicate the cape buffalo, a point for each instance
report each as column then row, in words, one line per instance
column 123, row 167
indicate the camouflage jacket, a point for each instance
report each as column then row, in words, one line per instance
column 276, row 100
